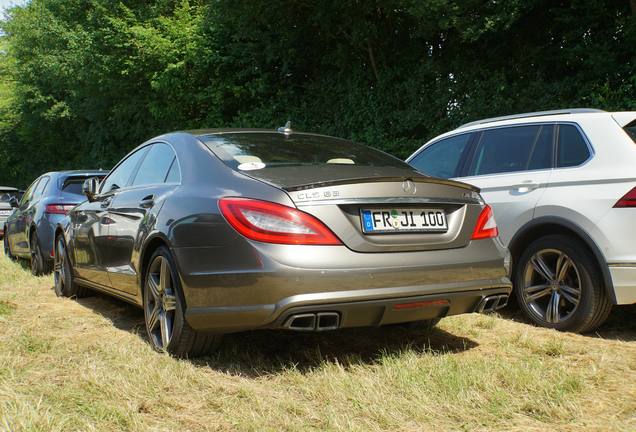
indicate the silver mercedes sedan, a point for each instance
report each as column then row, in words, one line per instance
column 218, row 231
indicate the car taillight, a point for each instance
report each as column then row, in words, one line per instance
column 60, row 209
column 628, row 200
column 486, row 226
column 275, row 223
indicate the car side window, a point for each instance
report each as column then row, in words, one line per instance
column 513, row 149
column 572, row 149
column 442, row 158
column 39, row 190
column 156, row 165
column 28, row 195
column 121, row 175
column 174, row 175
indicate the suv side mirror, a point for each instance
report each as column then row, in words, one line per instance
column 13, row 202
column 89, row 188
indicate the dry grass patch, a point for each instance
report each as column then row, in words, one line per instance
column 85, row 365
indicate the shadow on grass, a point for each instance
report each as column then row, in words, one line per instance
column 620, row 325
column 266, row 352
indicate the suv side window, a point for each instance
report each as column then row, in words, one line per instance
column 155, row 166
column 121, row 175
column 513, row 149
column 442, row 158
column 572, row 149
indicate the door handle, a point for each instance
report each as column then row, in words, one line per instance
column 526, row 186
column 106, row 202
column 147, row 202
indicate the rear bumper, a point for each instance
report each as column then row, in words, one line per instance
column 624, row 281
column 352, row 310
column 271, row 282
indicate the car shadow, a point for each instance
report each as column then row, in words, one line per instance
column 266, row 352
column 620, row 325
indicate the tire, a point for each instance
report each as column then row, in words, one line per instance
column 164, row 311
column 572, row 297
column 39, row 263
column 63, row 273
column 7, row 246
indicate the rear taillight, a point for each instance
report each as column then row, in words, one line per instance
column 628, row 200
column 275, row 223
column 486, row 226
column 59, row 209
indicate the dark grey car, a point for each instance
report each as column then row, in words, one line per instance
column 217, row 231
column 44, row 206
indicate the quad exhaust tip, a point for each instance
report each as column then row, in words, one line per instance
column 321, row 321
column 492, row 303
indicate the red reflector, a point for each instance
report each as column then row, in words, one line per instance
column 269, row 222
column 486, row 226
column 420, row 304
column 61, row 209
column 629, row 200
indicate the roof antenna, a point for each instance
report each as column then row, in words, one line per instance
column 285, row 129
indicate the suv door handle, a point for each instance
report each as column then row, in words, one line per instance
column 526, row 186
column 147, row 202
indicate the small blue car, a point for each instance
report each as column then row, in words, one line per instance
column 29, row 230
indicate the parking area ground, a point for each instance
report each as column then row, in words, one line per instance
column 85, row 365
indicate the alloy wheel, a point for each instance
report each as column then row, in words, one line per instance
column 552, row 286
column 161, row 303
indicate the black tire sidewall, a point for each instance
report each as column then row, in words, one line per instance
column 69, row 289
column 5, row 243
column 588, row 274
column 179, row 316
column 37, row 265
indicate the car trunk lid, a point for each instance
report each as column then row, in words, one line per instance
column 339, row 203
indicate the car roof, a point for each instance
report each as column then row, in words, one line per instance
column 79, row 173
column 565, row 115
column 199, row 133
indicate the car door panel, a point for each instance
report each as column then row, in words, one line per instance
column 133, row 213
column 133, row 216
column 89, row 224
column 517, row 166
column 20, row 222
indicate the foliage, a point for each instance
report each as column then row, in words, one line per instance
column 84, row 81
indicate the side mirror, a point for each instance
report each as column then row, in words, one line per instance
column 89, row 188
column 13, row 202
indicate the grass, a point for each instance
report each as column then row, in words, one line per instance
column 85, row 365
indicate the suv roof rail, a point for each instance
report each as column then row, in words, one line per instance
column 533, row 114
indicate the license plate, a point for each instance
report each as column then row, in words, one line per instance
column 403, row 220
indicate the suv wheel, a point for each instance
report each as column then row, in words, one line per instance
column 63, row 273
column 558, row 285
column 164, row 311
column 39, row 264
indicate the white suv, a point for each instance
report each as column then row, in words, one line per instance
column 563, row 188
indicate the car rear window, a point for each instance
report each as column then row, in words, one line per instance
column 5, row 196
column 631, row 130
column 74, row 184
column 255, row 151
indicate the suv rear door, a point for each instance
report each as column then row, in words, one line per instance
column 512, row 167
